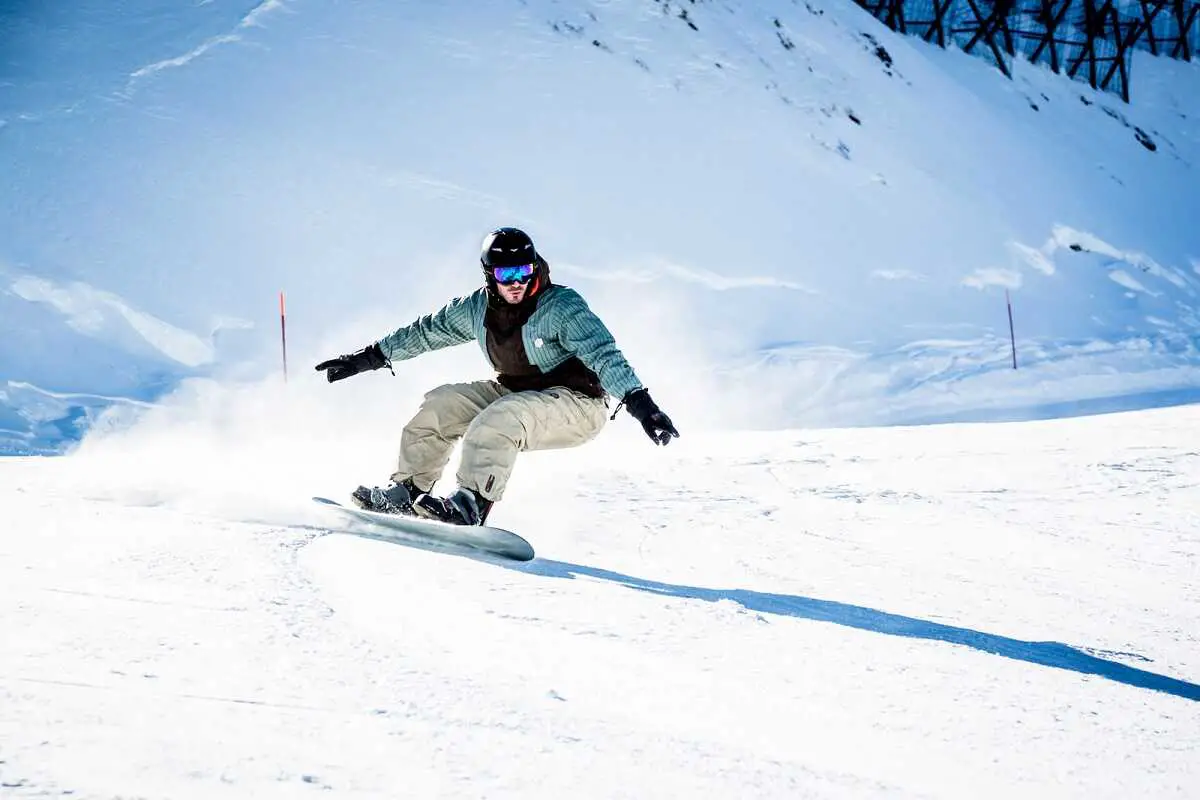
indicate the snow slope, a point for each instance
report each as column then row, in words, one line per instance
column 784, row 226
column 962, row 610
column 811, row 218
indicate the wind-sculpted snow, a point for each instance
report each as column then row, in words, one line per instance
column 717, row 178
column 253, row 19
column 95, row 313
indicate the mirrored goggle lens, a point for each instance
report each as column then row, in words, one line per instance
column 519, row 274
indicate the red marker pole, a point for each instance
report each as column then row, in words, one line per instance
column 1011, row 336
column 283, row 334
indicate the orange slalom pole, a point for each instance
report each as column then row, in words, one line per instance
column 283, row 334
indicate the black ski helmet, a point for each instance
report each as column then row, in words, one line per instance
column 507, row 247
column 512, row 247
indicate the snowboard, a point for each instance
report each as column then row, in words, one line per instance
column 407, row 530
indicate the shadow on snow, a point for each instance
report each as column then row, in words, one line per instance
column 1046, row 654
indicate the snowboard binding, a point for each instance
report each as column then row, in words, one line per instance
column 395, row 499
column 462, row 507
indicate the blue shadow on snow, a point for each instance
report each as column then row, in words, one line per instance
column 1046, row 654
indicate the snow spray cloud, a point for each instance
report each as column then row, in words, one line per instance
column 233, row 445
column 696, row 340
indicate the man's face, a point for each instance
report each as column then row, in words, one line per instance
column 513, row 282
column 513, row 292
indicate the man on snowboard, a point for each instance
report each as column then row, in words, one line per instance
column 556, row 365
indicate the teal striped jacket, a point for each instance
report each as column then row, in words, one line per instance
column 562, row 326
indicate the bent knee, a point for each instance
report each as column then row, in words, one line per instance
column 504, row 419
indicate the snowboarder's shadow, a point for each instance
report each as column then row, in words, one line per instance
column 1047, row 654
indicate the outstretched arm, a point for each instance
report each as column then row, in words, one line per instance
column 453, row 324
column 590, row 340
column 582, row 333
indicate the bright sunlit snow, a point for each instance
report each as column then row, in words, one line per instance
column 981, row 610
column 796, row 223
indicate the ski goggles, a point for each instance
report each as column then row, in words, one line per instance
column 522, row 273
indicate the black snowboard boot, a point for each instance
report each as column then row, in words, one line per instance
column 462, row 507
column 395, row 499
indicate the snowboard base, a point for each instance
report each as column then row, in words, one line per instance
column 407, row 530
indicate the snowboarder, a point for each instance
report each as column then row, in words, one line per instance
column 556, row 365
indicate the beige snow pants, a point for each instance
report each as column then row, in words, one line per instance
column 494, row 424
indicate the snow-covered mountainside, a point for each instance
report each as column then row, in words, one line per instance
column 791, row 218
column 784, row 205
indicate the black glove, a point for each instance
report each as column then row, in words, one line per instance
column 656, row 424
column 344, row 366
